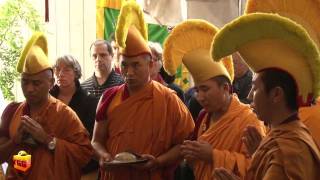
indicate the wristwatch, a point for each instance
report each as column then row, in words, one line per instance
column 52, row 144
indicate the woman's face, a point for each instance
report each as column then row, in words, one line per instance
column 65, row 75
column 156, row 65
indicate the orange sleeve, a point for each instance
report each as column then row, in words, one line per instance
column 234, row 161
column 238, row 162
column 73, row 148
column 183, row 122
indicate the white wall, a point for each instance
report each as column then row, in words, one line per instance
column 72, row 29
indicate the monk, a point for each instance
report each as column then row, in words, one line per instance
column 142, row 116
column 42, row 126
column 284, row 81
column 217, row 141
column 308, row 115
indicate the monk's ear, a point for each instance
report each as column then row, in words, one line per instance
column 277, row 95
column 52, row 82
column 227, row 87
column 151, row 64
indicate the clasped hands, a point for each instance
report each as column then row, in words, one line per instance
column 32, row 127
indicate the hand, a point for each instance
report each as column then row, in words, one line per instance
column 251, row 138
column 104, row 157
column 35, row 129
column 197, row 150
column 223, row 174
column 152, row 163
column 17, row 138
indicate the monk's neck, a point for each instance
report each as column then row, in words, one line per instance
column 36, row 108
column 216, row 115
column 280, row 118
column 135, row 89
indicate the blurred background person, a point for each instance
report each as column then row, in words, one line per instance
column 158, row 73
column 116, row 54
column 242, row 78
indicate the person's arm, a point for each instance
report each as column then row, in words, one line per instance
column 98, row 141
column 165, row 159
column 170, row 156
column 6, row 148
column 7, row 145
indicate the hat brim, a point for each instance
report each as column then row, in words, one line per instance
column 271, row 41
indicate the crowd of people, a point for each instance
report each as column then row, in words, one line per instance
column 252, row 113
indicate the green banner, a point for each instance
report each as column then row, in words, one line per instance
column 156, row 33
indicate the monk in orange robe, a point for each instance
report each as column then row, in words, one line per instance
column 310, row 116
column 42, row 126
column 224, row 137
column 151, row 121
column 217, row 141
column 286, row 79
column 142, row 116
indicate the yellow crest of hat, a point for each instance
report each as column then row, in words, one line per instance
column 34, row 56
column 131, row 31
column 267, row 40
column 189, row 43
column 304, row 12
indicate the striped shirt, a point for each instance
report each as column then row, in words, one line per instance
column 93, row 87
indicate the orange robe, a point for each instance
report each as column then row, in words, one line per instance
column 149, row 122
column 73, row 149
column 225, row 136
column 310, row 116
column 287, row 152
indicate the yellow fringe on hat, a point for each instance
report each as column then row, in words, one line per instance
column 190, row 35
column 257, row 26
column 304, row 12
column 130, row 14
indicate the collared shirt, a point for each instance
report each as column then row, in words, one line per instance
column 92, row 86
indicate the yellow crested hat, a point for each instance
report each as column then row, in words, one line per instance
column 189, row 43
column 268, row 40
column 131, row 31
column 34, row 56
column 304, row 12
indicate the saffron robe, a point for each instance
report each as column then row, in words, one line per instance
column 73, row 148
column 225, row 136
column 151, row 121
column 310, row 116
column 287, row 152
